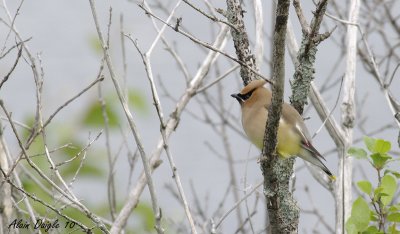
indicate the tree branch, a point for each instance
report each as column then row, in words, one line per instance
column 282, row 208
column 344, row 188
column 234, row 14
column 170, row 126
column 304, row 73
column 146, row 166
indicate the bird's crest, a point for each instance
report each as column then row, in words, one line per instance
column 253, row 85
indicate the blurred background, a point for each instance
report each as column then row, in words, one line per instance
column 208, row 146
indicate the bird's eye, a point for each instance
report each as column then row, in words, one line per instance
column 246, row 95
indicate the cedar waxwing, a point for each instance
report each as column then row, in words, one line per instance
column 293, row 137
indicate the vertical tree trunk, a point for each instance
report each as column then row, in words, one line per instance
column 282, row 208
column 343, row 193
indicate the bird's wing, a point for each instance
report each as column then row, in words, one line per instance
column 290, row 115
column 308, row 146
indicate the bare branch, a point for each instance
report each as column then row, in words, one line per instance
column 303, row 22
column 170, row 126
column 156, row 99
column 208, row 46
column 259, row 43
column 211, row 17
column 344, row 191
column 12, row 68
column 304, row 73
column 282, row 209
column 132, row 125
column 215, row 227
column 234, row 14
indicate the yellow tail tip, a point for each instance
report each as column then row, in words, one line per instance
column 332, row 177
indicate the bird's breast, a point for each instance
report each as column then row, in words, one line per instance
column 254, row 122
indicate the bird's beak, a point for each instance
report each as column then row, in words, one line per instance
column 238, row 98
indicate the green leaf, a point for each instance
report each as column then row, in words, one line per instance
column 389, row 187
column 365, row 186
column 377, row 193
column 73, row 149
column 395, row 173
column 95, row 43
column 379, row 160
column 137, row 99
column 29, row 121
column 94, row 116
column 393, row 230
column 394, row 208
column 146, row 213
column 90, row 168
column 358, row 153
column 377, row 145
column 371, row 230
column 37, row 147
column 370, row 143
column 382, row 146
column 394, row 217
column 351, row 228
column 360, row 216
column 373, row 216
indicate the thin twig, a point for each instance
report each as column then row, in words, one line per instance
column 170, row 126
column 88, row 213
column 132, row 125
column 213, row 18
column 33, row 197
column 229, row 154
column 331, row 111
column 228, row 72
column 98, row 79
column 234, row 207
column 205, row 44
column 12, row 68
column 156, row 99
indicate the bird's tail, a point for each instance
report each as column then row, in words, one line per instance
column 312, row 156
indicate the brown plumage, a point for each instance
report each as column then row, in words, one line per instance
column 293, row 137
